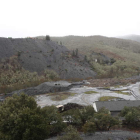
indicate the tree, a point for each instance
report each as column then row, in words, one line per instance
column 72, row 117
column 54, row 119
column 22, row 119
column 131, row 115
column 70, row 134
column 76, row 52
column 112, row 60
column 73, row 53
column 86, row 114
column 47, row 37
column 78, row 117
column 85, row 58
column 89, row 127
column 103, row 120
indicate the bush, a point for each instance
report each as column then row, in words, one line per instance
column 70, row 134
column 50, row 74
column 103, row 120
column 14, row 77
column 22, row 119
column 54, row 119
column 89, row 127
column 132, row 116
column 78, row 117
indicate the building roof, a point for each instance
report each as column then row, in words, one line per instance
column 117, row 105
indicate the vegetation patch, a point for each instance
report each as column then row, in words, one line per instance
column 60, row 96
column 90, row 92
column 120, row 92
column 14, row 77
column 107, row 98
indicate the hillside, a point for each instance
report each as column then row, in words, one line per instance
column 131, row 37
column 124, row 52
column 36, row 55
column 93, row 42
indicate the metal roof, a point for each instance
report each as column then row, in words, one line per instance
column 117, row 105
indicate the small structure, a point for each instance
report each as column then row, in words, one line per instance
column 96, row 60
column 60, row 108
column 86, row 82
column 115, row 107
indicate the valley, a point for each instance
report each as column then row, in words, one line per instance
column 70, row 71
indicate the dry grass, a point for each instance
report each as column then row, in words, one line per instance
column 60, row 96
column 107, row 98
column 90, row 92
column 120, row 92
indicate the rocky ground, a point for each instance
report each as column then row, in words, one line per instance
column 109, row 135
column 37, row 55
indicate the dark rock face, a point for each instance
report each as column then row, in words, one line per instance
column 69, row 106
column 37, row 55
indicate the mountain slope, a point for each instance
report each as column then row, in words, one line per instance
column 131, row 37
column 38, row 55
column 125, row 53
column 112, row 47
column 97, row 41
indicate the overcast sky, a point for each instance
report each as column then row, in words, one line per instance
column 22, row 18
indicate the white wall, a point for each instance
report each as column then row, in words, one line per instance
column 94, row 106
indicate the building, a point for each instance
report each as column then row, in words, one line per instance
column 115, row 107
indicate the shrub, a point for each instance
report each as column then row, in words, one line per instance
column 50, row 74
column 14, row 77
column 70, row 134
column 22, row 119
column 103, row 120
column 78, row 117
column 89, row 127
column 132, row 116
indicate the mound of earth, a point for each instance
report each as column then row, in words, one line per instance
column 38, row 55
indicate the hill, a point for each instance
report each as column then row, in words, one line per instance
column 93, row 42
column 125, row 54
column 36, row 55
column 131, row 37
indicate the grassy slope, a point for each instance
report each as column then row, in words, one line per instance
column 126, row 52
column 117, row 46
column 113, row 47
column 131, row 37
